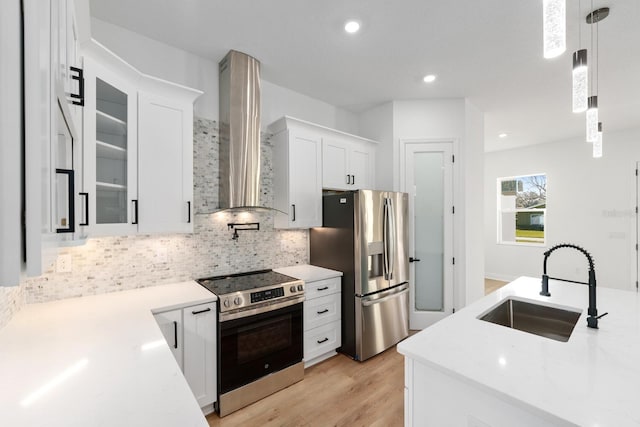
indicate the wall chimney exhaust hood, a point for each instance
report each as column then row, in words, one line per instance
column 239, row 132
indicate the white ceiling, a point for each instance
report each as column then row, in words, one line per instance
column 489, row 51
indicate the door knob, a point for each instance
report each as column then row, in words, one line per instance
column 412, row 259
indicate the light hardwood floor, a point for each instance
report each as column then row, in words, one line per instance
column 491, row 285
column 336, row 392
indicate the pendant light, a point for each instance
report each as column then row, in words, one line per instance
column 554, row 25
column 580, row 81
column 580, row 74
column 592, row 119
column 597, row 145
column 592, row 101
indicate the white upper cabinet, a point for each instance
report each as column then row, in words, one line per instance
column 138, row 149
column 165, row 164
column 110, row 151
column 297, row 168
column 347, row 162
column 310, row 157
column 53, row 140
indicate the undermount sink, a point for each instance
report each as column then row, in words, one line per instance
column 545, row 321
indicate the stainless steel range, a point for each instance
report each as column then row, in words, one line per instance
column 260, row 343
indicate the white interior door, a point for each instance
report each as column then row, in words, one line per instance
column 429, row 182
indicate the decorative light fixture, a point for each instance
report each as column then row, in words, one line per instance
column 429, row 78
column 352, row 26
column 592, row 119
column 580, row 81
column 592, row 102
column 554, row 27
column 580, row 74
column 597, row 145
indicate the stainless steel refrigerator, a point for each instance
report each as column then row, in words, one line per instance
column 365, row 235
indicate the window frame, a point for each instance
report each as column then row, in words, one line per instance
column 501, row 212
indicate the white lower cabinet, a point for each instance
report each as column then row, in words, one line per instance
column 170, row 323
column 200, row 351
column 190, row 333
column 322, row 319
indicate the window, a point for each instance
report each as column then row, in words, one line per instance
column 522, row 205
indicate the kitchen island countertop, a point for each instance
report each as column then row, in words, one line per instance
column 591, row 380
column 97, row 361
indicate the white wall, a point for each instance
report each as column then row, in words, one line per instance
column 459, row 121
column 377, row 124
column 590, row 202
column 472, row 165
column 167, row 62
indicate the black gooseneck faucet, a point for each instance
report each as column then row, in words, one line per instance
column 592, row 320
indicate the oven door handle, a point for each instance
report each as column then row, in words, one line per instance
column 232, row 315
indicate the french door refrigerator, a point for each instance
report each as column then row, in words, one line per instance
column 365, row 235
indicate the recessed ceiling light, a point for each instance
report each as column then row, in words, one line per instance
column 352, row 26
column 429, row 78
column 502, row 135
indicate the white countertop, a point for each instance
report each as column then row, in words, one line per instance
column 308, row 273
column 97, row 361
column 591, row 380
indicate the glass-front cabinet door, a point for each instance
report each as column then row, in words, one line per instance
column 110, row 175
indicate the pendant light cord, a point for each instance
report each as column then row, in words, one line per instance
column 592, row 52
column 579, row 24
column 597, row 51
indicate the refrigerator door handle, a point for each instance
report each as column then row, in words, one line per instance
column 369, row 303
column 391, row 234
column 385, row 238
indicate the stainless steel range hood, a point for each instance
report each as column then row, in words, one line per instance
column 239, row 132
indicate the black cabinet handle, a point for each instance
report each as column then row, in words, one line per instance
column 71, row 227
column 326, row 310
column 86, row 208
column 324, row 288
column 412, row 259
column 294, row 213
column 79, row 76
column 201, row 311
column 325, row 339
column 353, row 180
column 175, row 334
column 188, row 212
column 135, row 211
column 348, row 179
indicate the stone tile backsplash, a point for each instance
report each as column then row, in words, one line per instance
column 110, row 264
column 11, row 300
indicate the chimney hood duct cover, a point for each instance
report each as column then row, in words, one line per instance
column 239, row 131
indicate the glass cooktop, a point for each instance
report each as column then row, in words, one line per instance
column 222, row 285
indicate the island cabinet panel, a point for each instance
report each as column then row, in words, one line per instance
column 435, row 398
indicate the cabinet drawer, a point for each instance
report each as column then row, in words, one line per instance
column 321, row 288
column 322, row 339
column 320, row 311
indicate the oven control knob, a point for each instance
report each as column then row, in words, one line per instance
column 300, row 288
column 227, row 303
column 292, row 289
column 237, row 301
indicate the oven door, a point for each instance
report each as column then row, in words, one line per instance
column 259, row 344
